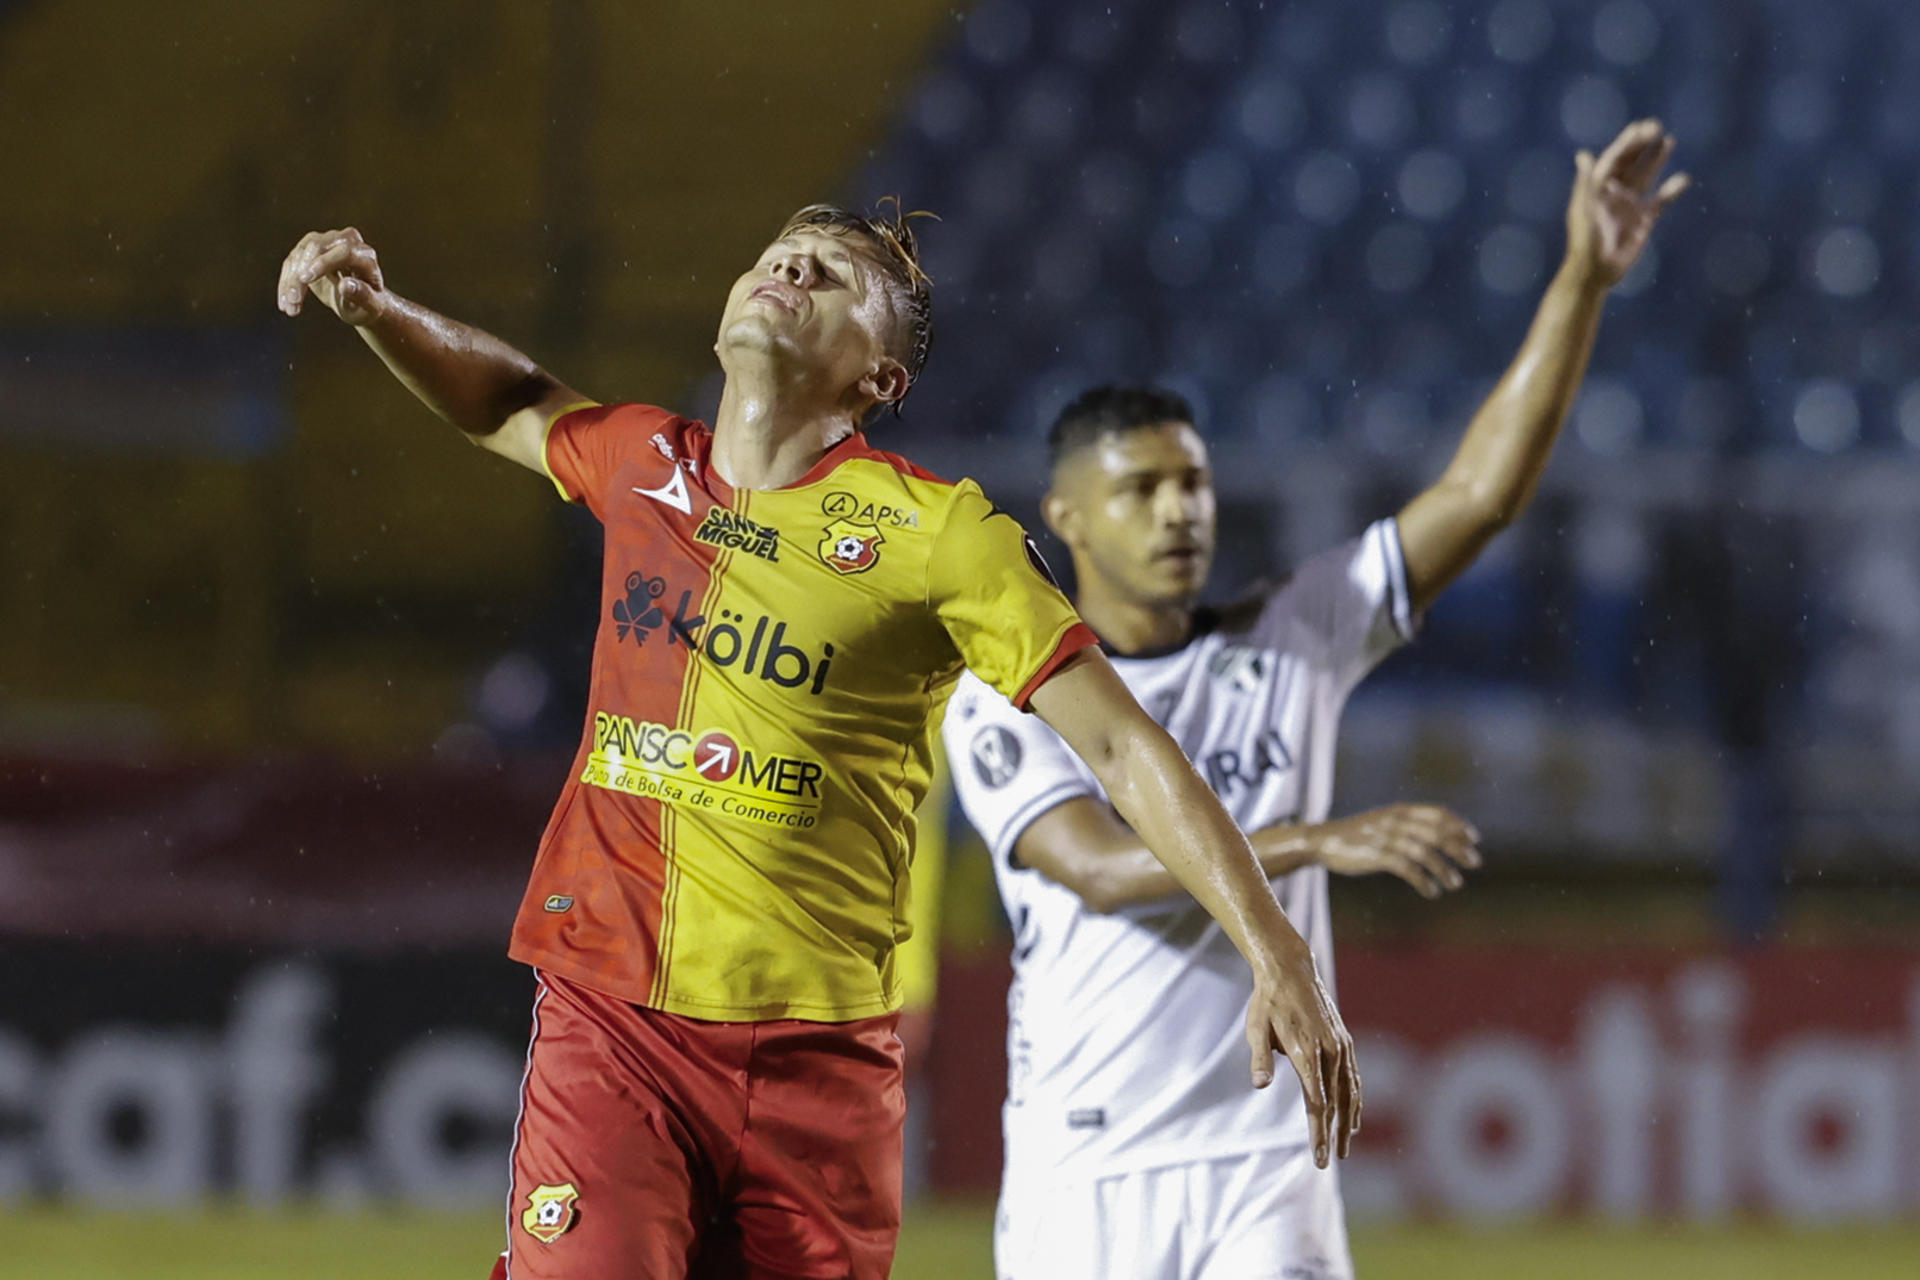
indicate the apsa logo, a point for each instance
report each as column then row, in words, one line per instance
column 850, row 547
column 842, row 505
column 549, row 1211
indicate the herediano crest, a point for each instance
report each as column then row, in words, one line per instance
column 549, row 1211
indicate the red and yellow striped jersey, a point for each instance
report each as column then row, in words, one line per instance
column 735, row 838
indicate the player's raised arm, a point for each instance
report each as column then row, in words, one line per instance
column 502, row 400
column 1616, row 201
column 1159, row 795
column 1082, row 845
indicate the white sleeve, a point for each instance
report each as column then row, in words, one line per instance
column 1349, row 605
column 1008, row 768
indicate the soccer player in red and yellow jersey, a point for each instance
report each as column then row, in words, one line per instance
column 713, row 1086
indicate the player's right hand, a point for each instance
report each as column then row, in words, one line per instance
column 1292, row 1012
column 1427, row 846
column 339, row 268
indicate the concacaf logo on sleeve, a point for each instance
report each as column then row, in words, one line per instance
column 767, row 665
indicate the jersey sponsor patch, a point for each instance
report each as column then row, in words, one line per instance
column 996, row 756
column 724, row 528
column 850, row 547
column 710, row 771
column 638, row 615
column 730, row 640
column 842, row 505
column 550, row 1211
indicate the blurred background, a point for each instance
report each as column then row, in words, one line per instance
column 289, row 675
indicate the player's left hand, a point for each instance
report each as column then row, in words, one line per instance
column 1615, row 203
column 1428, row 846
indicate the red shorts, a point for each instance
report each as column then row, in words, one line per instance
column 655, row 1147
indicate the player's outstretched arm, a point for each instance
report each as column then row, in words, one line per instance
column 1616, row 201
column 1083, row 846
column 1159, row 795
column 497, row 396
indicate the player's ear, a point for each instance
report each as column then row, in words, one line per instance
column 886, row 382
column 1060, row 516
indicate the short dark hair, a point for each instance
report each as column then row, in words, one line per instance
column 1111, row 410
column 897, row 253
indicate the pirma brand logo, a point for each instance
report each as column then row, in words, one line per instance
column 850, row 547
column 550, row 1211
column 724, row 528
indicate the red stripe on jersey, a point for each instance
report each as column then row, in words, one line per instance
column 1078, row 637
column 596, row 908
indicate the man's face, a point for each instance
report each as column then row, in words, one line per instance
column 1137, row 509
column 816, row 304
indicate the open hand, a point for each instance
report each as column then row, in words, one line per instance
column 1292, row 1012
column 1427, row 846
column 1615, row 203
column 339, row 268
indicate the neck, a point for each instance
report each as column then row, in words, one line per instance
column 765, row 436
column 1128, row 625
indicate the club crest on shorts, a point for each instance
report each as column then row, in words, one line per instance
column 549, row 1211
column 850, row 547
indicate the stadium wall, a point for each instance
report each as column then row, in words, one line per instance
column 1501, row 1082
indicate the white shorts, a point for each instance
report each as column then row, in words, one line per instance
column 1270, row 1215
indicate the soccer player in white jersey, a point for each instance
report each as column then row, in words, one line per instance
column 1132, row 1151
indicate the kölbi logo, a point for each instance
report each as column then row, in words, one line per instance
column 733, row 639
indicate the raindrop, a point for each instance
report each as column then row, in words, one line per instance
column 1179, row 253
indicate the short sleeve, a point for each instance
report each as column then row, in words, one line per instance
column 1349, row 606
column 587, row 443
column 1008, row 768
column 998, row 602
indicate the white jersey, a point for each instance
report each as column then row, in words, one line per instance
column 1126, row 1038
